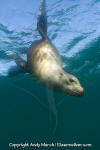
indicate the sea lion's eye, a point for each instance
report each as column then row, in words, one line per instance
column 71, row 80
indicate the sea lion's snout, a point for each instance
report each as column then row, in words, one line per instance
column 76, row 91
column 81, row 92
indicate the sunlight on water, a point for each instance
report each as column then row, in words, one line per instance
column 5, row 66
column 74, row 32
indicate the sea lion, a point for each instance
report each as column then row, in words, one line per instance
column 43, row 61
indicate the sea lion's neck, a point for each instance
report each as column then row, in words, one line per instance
column 55, row 78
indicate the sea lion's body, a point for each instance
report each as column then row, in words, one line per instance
column 43, row 61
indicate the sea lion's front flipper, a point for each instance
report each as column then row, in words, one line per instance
column 20, row 68
column 21, row 62
column 42, row 21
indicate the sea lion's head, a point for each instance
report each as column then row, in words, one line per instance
column 70, row 84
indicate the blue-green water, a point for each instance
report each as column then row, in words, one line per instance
column 74, row 27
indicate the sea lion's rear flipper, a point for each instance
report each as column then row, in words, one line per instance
column 20, row 68
column 42, row 21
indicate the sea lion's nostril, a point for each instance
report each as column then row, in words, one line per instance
column 82, row 93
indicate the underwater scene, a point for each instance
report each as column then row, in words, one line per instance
column 29, row 111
